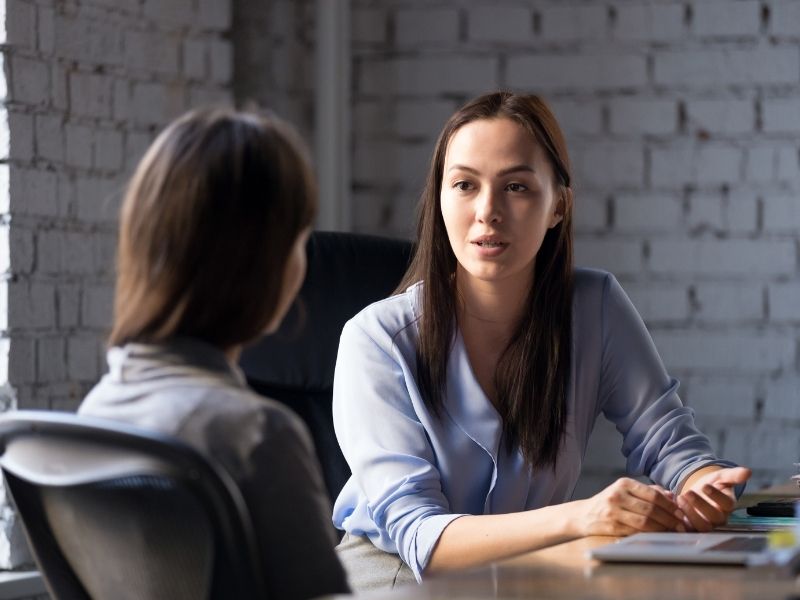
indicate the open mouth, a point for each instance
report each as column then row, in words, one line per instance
column 490, row 244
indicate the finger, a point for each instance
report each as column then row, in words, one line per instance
column 672, row 520
column 732, row 476
column 722, row 498
column 697, row 510
column 652, row 495
column 641, row 522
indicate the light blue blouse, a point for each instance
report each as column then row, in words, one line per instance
column 414, row 473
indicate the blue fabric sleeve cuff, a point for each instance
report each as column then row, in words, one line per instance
column 426, row 538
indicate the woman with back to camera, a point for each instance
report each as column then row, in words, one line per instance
column 211, row 255
column 464, row 403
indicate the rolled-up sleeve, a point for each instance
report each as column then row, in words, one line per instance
column 387, row 447
column 660, row 439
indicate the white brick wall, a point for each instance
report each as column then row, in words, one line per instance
column 682, row 120
column 90, row 84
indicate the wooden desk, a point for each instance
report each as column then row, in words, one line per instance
column 563, row 571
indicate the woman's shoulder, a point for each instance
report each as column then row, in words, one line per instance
column 590, row 285
column 390, row 315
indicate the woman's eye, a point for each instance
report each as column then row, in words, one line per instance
column 516, row 187
column 463, row 185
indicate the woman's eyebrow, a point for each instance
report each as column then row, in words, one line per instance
column 506, row 171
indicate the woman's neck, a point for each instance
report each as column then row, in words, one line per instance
column 491, row 307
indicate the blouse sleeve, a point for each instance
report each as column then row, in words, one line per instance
column 387, row 447
column 660, row 439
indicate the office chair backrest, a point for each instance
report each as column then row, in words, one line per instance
column 113, row 511
column 346, row 272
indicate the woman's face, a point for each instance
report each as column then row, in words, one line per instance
column 498, row 199
column 293, row 274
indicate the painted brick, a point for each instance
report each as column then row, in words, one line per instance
column 97, row 306
column 565, row 72
column 107, row 149
column 136, row 143
column 741, row 212
column 643, row 116
column 788, row 164
column 98, row 199
column 782, row 213
column 785, row 18
column 171, row 12
column 426, row 26
column 5, row 251
column 574, row 23
column 68, row 296
column 760, row 163
column 21, row 250
column 31, row 305
column 82, row 359
column 721, row 400
column 194, row 58
column 151, row 51
column 681, row 163
column 658, row 301
column 48, row 251
column 21, row 362
column 204, row 96
column 90, row 94
column 728, row 116
column 51, row 359
column 713, row 68
column 30, row 81
column 221, row 55
column 5, row 347
column 726, row 18
column 647, row 22
column 20, row 24
column 59, row 92
column 427, row 76
column 621, row 257
column 782, row 399
column 88, row 41
column 722, row 257
column 639, row 213
column 121, row 99
column 79, row 145
column 784, row 302
column 590, row 213
column 214, row 14
column 578, row 118
column 368, row 25
column 715, row 352
column 46, row 22
column 33, row 192
column 769, row 442
column 104, row 253
column 49, row 138
column 20, row 129
column 421, row 118
column 502, row 24
column 155, row 103
column 729, row 302
column 609, row 164
column 705, row 213
column 781, row 115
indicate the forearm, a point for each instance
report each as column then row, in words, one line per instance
column 475, row 540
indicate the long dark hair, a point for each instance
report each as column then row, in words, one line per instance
column 533, row 372
column 208, row 221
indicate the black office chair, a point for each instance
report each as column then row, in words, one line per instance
column 346, row 272
column 113, row 511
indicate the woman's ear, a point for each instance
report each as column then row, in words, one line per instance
column 563, row 203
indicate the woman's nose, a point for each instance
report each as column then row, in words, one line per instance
column 488, row 207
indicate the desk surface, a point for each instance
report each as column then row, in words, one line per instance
column 563, row 571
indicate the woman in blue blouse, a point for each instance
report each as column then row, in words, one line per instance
column 464, row 403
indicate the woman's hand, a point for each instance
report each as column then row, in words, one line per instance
column 628, row 506
column 707, row 497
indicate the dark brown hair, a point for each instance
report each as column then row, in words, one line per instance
column 208, row 221
column 533, row 373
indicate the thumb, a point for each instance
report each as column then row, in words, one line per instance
column 732, row 475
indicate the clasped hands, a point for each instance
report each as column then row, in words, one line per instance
column 627, row 506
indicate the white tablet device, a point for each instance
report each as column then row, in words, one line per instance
column 696, row 548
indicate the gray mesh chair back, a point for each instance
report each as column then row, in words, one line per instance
column 113, row 511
